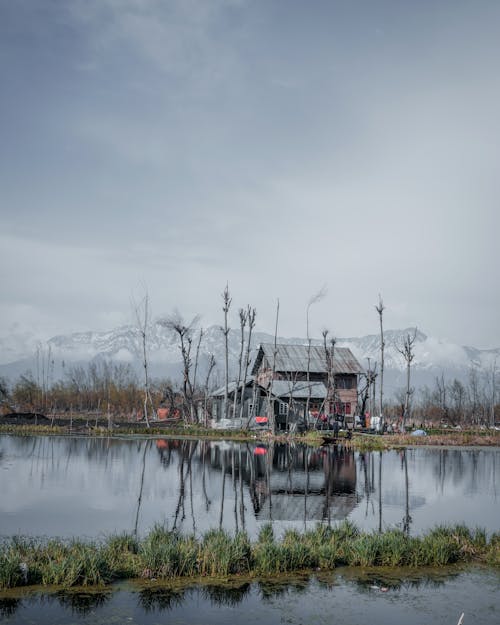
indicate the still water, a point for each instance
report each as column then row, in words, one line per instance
column 342, row 600
column 91, row 487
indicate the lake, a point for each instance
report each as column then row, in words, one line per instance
column 76, row 486
column 346, row 599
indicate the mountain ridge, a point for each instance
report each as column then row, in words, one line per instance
column 123, row 344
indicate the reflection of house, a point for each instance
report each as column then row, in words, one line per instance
column 297, row 374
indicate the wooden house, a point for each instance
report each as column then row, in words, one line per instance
column 300, row 378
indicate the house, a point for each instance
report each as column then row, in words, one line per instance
column 217, row 410
column 300, row 379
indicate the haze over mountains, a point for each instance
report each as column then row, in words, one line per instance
column 433, row 357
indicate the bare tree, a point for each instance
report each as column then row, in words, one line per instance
column 142, row 314
column 331, row 391
column 211, row 366
column 197, row 357
column 243, row 322
column 270, row 403
column 225, row 309
column 185, row 333
column 313, row 300
column 251, row 314
column 380, row 309
column 406, row 350
column 493, row 392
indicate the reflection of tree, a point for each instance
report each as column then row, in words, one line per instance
column 147, row 445
column 407, row 518
column 152, row 599
column 380, row 491
column 229, row 596
column 82, row 603
column 187, row 449
column 8, row 606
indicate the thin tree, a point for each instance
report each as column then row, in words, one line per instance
column 493, row 390
column 314, row 299
column 197, row 357
column 211, row 366
column 329, row 361
column 226, row 299
column 380, row 310
column 407, row 351
column 142, row 315
column 251, row 314
column 270, row 403
column 184, row 331
column 243, row 322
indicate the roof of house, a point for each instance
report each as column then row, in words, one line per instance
column 298, row 390
column 221, row 391
column 294, row 358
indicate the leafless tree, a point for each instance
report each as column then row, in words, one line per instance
column 329, row 349
column 251, row 314
column 142, row 314
column 210, row 368
column 313, row 300
column 270, row 401
column 493, row 392
column 197, row 357
column 380, row 310
column 407, row 351
column 184, row 332
column 243, row 314
column 440, row 395
column 225, row 309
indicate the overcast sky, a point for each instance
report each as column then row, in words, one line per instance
column 278, row 146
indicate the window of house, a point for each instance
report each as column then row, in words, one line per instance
column 283, row 408
column 345, row 383
column 214, row 410
column 347, row 408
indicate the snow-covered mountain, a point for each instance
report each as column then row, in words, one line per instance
column 433, row 357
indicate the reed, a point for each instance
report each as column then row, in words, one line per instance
column 167, row 554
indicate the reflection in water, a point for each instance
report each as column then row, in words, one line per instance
column 348, row 599
column 87, row 486
column 80, row 602
column 8, row 606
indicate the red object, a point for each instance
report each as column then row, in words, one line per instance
column 161, row 443
column 261, row 420
column 260, row 451
column 162, row 413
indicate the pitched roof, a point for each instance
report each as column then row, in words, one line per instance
column 293, row 358
column 298, row 390
column 221, row 391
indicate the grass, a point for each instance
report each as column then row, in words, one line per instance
column 167, row 554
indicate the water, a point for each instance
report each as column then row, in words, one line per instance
column 343, row 600
column 91, row 487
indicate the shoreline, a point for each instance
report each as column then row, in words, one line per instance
column 362, row 441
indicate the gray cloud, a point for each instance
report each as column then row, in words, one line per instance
column 277, row 146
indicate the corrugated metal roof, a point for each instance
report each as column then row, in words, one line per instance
column 221, row 391
column 299, row 390
column 293, row 358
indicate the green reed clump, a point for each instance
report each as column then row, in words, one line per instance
column 493, row 550
column 121, row 553
column 166, row 554
column 266, row 553
column 10, row 570
column 74, row 564
column 222, row 555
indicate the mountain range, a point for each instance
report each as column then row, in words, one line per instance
column 433, row 357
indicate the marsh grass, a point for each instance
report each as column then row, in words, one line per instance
column 167, row 554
